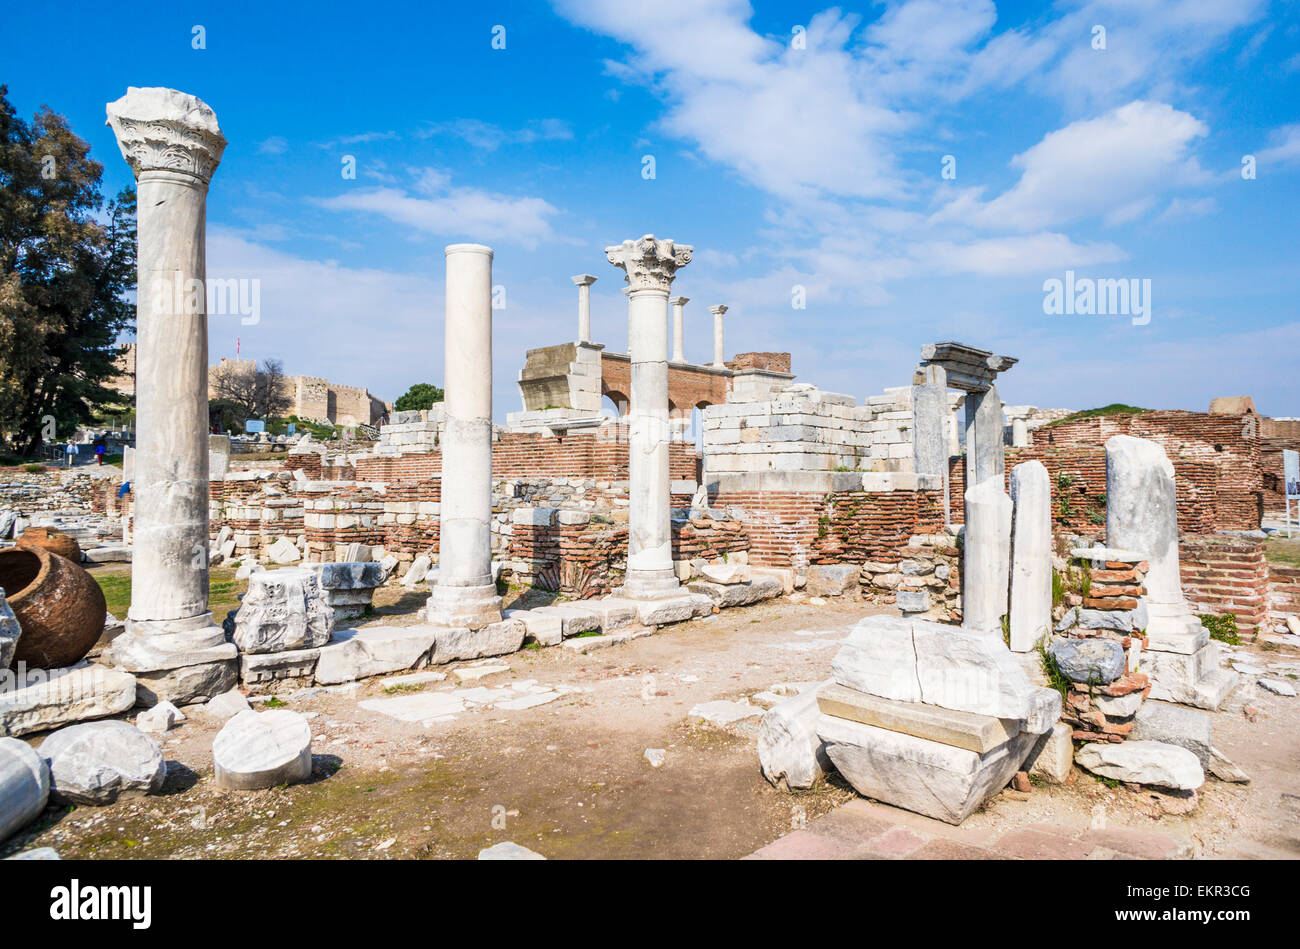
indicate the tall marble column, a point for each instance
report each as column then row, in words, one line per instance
column 1031, row 556
column 679, row 304
column 465, row 595
column 986, row 557
column 985, row 456
column 650, row 265
column 719, row 353
column 583, row 281
column 173, row 144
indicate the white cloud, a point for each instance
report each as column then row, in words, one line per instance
column 313, row 313
column 794, row 122
column 489, row 137
column 1285, row 149
column 1105, row 168
column 440, row 209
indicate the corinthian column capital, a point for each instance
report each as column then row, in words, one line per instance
column 164, row 130
column 650, row 264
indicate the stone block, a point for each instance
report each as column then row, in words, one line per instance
column 912, row 601
column 979, row 733
column 349, row 575
column 543, row 628
column 376, row 650
column 913, row 660
column 452, row 643
column 1143, row 762
column 832, row 579
column 96, row 762
column 1176, row 725
column 676, row 609
column 533, row 516
column 261, row 750
column 738, row 594
column 928, row 777
column 283, row 610
column 1052, row 756
column 1094, row 661
column 573, row 617
column 24, row 786
column 46, row 700
column 789, row 748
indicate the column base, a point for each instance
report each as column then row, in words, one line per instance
column 178, row 661
column 650, row 585
column 473, row 607
column 1171, row 627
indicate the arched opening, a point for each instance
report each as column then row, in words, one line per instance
column 613, row 405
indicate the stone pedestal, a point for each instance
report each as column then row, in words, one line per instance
column 985, row 457
column 173, row 144
column 985, row 569
column 679, row 305
column 930, row 426
column 583, row 281
column 1142, row 515
column 1031, row 556
column 719, row 350
column 465, row 594
column 650, row 265
column 929, row 421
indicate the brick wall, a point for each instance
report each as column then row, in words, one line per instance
column 1230, row 442
column 1283, row 593
column 688, row 386
column 590, row 559
column 523, row 455
column 1207, row 494
column 795, row 529
column 1226, row 575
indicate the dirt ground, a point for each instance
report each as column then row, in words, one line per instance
column 569, row 779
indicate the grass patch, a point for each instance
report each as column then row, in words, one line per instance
column 1222, row 627
column 402, row 687
column 223, row 591
column 1115, row 408
column 1055, row 679
column 1283, row 550
column 274, row 702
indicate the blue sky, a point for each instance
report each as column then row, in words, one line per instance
column 818, row 167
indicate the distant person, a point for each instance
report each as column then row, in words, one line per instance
column 71, row 451
column 99, row 454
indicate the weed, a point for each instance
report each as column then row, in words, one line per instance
column 1055, row 678
column 1222, row 627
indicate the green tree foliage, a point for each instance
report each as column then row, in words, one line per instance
column 422, row 395
column 67, row 266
